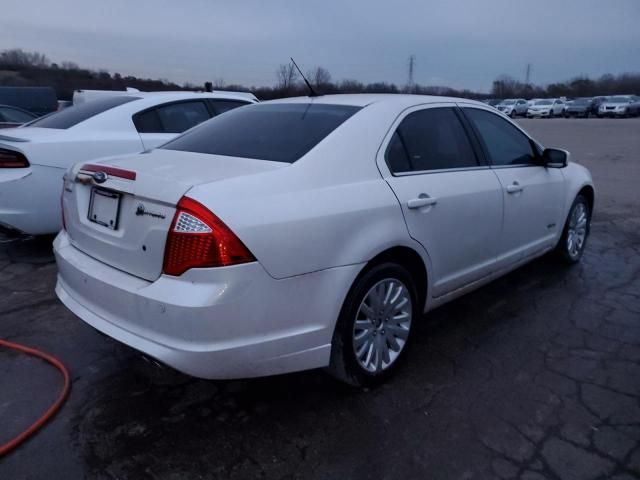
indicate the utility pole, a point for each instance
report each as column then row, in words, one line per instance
column 412, row 64
column 528, row 75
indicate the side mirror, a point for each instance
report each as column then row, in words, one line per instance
column 555, row 158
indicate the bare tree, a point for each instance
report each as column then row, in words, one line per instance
column 21, row 59
column 286, row 75
column 319, row 77
column 70, row 66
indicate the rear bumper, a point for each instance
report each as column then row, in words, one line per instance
column 30, row 199
column 233, row 322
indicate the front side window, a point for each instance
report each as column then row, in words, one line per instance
column 504, row 143
column 280, row 132
column 71, row 116
column 171, row 118
column 430, row 139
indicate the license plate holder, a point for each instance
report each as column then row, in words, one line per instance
column 104, row 208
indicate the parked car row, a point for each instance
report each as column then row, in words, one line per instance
column 615, row 106
column 309, row 232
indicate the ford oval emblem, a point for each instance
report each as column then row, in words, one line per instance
column 100, row 177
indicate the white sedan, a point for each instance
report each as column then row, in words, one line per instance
column 34, row 158
column 311, row 232
column 548, row 108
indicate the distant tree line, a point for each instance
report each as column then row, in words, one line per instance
column 20, row 68
column 625, row 84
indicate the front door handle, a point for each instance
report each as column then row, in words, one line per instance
column 423, row 200
column 515, row 187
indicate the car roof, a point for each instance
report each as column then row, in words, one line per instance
column 364, row 99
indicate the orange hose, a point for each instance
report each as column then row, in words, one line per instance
column 51, row 411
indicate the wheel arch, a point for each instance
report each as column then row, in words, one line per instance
column 588, row 192
column 408, row 258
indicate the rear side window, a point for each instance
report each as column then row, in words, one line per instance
column 172, row 118
column 431, row 139
column 504, row 143
column 221, row 106
column 281, row 132
column 15, row 116
column 71, row 116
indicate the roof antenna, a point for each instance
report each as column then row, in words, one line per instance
column 312, row 92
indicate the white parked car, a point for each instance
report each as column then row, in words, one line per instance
column 311, row 232
column 34, row 158
column 548, row 108
column 513, row 107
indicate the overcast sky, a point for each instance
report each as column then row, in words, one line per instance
column 457, row 43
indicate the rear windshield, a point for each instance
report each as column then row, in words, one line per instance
column 281, row 132
column 79, row 113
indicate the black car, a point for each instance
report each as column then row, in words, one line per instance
column 14, row 117
column 37, row 100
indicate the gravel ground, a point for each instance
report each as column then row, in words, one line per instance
column 534, row 376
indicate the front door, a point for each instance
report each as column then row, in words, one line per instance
column 533, row 195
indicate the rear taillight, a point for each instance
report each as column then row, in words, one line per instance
column 11, row 159
column 198, row 238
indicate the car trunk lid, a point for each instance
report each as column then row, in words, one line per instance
column 119, row 210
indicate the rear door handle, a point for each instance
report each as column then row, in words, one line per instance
column 515, row 187
column 423, row 200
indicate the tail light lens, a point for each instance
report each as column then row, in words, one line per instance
column 198, row 238
column 11, row 159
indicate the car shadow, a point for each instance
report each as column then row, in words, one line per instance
column 140, row 414
column 32, row 250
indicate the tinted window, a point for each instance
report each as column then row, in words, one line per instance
column 281, row 132
column 221, row 106
column 79, row 113
column 14, row 116
column 505, row 144
column 172, row 118
column 148, row 122
column 179, row 117
column 430, row 139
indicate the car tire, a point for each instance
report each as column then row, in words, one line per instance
column 366, row 367
column 576, row 231
column 513, row 113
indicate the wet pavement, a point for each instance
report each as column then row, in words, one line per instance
column 534, row 376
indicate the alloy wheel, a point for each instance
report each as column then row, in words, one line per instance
column 382, row 325
column 577, row 231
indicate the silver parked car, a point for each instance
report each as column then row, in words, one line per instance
column 513, row 107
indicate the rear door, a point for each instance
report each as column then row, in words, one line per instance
column 533, row 195
column 162, row 123
column 452, row 204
